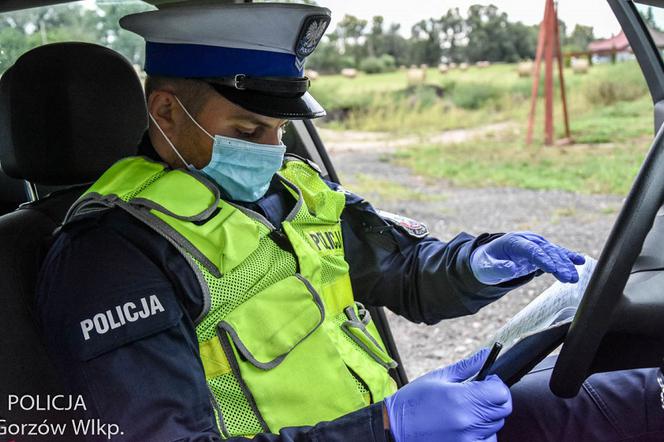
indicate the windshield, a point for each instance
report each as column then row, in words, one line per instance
column 87, row 21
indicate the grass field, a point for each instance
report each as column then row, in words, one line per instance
column 610, row 115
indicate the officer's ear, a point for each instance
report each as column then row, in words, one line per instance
column 165, row 110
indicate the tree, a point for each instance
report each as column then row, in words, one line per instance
column 486, row 34
column 426, row 44
column 580, row 38
column 491, row 36
column 375, row 37
column 327, row 57
column 525, row 40
column 453, row 35
column 396, row 45
column 14, row 43
column 112, row 35
column 562, row 31
column 649, row 18
column 24, row 30
column 350, row 31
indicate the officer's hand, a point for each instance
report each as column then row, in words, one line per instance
column 518, row 254
column 439, row 407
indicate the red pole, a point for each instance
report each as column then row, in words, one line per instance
column 536, row 76
column 561, row 78
column 548, row 75
column 548, row 48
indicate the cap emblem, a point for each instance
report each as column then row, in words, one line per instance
column 312, row 31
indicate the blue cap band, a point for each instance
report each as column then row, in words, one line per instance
column 199, row 61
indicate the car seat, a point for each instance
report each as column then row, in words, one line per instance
column 67, row 112
column 12, row 193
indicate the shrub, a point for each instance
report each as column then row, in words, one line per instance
column 389, row 62
column 609, row 89
column 473, row 95
column 417, row 97
column 378, row 65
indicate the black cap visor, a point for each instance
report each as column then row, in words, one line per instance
column 298, row 107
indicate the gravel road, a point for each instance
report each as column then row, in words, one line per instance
column 579, row 222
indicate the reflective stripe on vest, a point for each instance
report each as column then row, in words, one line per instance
column 281, row 339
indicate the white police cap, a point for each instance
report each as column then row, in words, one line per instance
column 252, row 53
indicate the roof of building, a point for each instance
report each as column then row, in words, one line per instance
column 619, row 43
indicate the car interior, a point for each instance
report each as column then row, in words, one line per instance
column 70, row 110
column 56, row 102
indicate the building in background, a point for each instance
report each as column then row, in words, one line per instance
column 616, row 48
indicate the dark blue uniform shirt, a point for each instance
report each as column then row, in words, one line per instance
column 146, row 375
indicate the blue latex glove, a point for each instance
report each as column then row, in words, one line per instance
column 518, row 254
column 440, row 407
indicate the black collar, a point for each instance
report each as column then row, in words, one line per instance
column 146, row 148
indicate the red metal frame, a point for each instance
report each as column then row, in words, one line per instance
column 548, row 47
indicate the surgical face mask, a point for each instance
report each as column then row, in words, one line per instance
column 243, row 170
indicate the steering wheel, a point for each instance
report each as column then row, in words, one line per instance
column 603, row 301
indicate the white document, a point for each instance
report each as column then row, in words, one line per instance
column 555, row 305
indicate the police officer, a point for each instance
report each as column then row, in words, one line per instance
column 214, row 287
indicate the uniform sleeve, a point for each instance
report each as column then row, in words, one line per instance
column 394, row 264
column 115, row 326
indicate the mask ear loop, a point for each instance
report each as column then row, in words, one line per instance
column 188, row 166
column 208, row 133
column 192, row 118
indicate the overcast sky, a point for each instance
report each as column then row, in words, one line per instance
column 594, row 13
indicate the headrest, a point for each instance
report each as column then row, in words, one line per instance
column 67, row 112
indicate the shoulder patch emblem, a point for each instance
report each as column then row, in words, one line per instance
column 120, row 315
column 412, row 227
column 312, row 31
column 343, row 190
column 314, row 166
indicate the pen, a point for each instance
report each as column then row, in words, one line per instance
column 493, row 355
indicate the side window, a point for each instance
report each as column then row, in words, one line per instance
column 653, row 17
